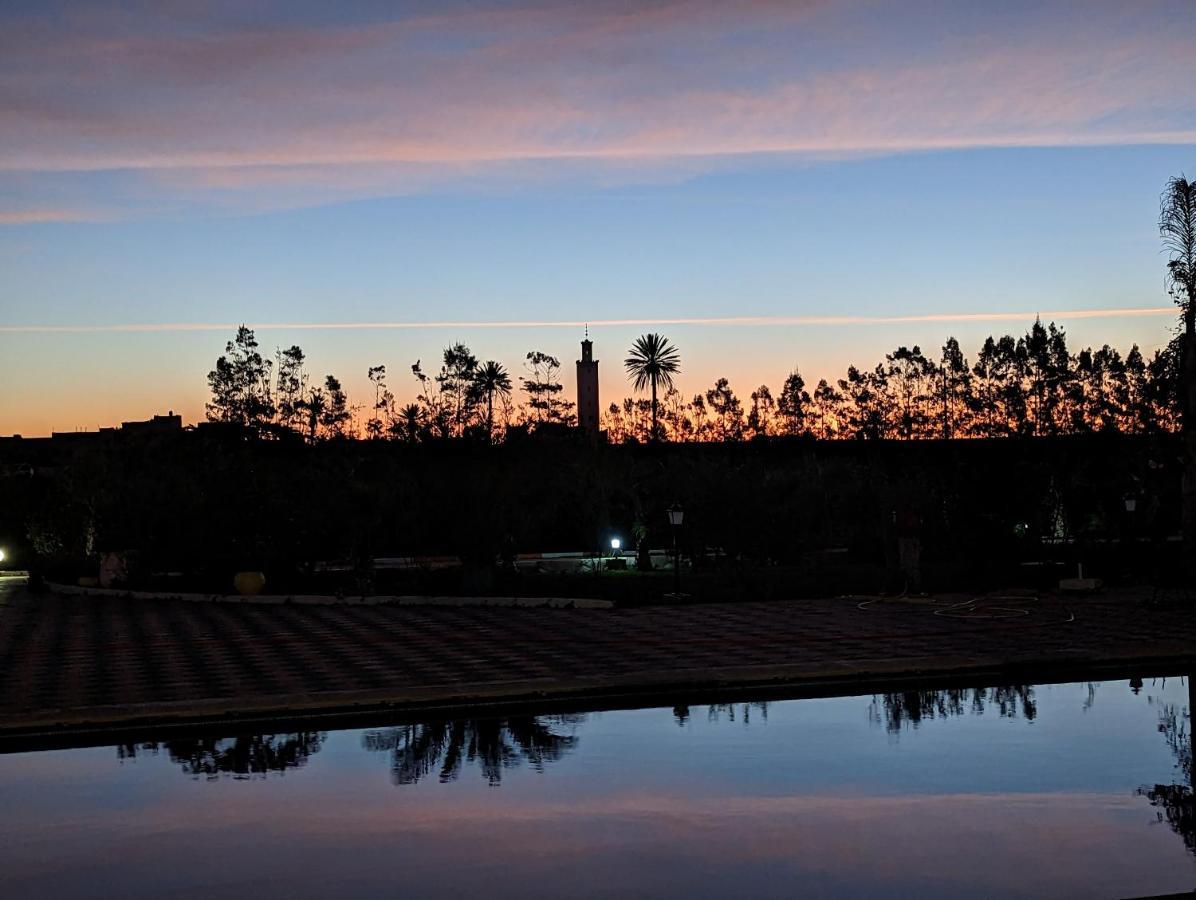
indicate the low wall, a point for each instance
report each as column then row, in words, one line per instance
column 331, row 600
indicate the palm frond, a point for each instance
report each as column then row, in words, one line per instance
column 652, row 359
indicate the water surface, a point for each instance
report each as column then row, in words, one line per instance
column 1036, row 791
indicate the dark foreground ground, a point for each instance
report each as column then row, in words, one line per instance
column 70, row 664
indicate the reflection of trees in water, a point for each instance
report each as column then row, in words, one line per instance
column 1176, row 803
column 1177, row 807
column 732, row 711
column 910, row 708
column 1175, row 723
column 494, row 744
column 242, row 756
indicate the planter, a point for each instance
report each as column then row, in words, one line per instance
column 249, row 584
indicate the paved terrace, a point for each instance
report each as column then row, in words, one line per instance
column 92, row 663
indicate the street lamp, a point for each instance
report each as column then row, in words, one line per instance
column 615, row 544
column 676, row 516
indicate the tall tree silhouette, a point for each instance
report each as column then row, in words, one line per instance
column 827, row 411
column 763, row 412
column 794, row 403
column 457, row 381
column 909, row 376
column 543, row 387
column 335, row 415
column 492, row 380
column 726, row 411
column 865, row 403
column 1177, row 227
column 383, row 403
column 652, row 362
column 954, row 389
column 240, row 383
column 289, row 387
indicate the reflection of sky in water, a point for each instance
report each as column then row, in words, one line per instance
column 805, row 796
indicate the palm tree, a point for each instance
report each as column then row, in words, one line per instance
column 1177, row 227
column 314, row 405
column 409, row 423
column 653, row 361
column 492, row 379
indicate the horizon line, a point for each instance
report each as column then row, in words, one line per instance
column 732, row 321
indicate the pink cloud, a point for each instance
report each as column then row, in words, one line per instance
column 395, row 105
column 36, row 216
column 953, row 844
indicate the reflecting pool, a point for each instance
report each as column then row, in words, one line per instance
column 1036, row 791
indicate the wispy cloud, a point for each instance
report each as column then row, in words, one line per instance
column 213, row 109
column 719, row 321
column 36, row 216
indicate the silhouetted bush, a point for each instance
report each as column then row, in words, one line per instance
column 208, row 503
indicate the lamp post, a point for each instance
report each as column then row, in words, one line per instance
column 676, row 516
column 616, row 552
column 1129, row 536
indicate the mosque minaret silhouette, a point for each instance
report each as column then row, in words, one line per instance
column 587, row 387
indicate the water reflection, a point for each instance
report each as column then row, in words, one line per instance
column 715, row 712
column 911, row 708
column 1176, row 802
column 241, row 756
column 1014, row 790
column 447, row 746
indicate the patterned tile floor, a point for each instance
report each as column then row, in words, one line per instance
column 65, row 659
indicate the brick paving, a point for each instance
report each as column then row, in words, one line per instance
column 76, row 661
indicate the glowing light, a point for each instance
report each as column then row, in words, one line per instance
column 615, row 544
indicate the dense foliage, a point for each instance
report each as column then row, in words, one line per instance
column 214, row 501
column 1033, row 385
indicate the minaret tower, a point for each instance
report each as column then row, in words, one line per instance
column 587, row 387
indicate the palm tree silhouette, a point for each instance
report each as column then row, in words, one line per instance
column 492, row 379
column 409, row 423
column 653, row 361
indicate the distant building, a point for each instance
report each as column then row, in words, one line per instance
column 158, row 424
column 587, row 388
column 168, row 422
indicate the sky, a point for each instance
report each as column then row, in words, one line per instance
column 838, row 178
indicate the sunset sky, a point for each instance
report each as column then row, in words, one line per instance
column 812, row 170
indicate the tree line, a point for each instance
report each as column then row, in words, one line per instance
column 1014, row 386
column 1029, row 385
column 466, row 398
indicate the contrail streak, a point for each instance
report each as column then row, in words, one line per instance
column 729, row 321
